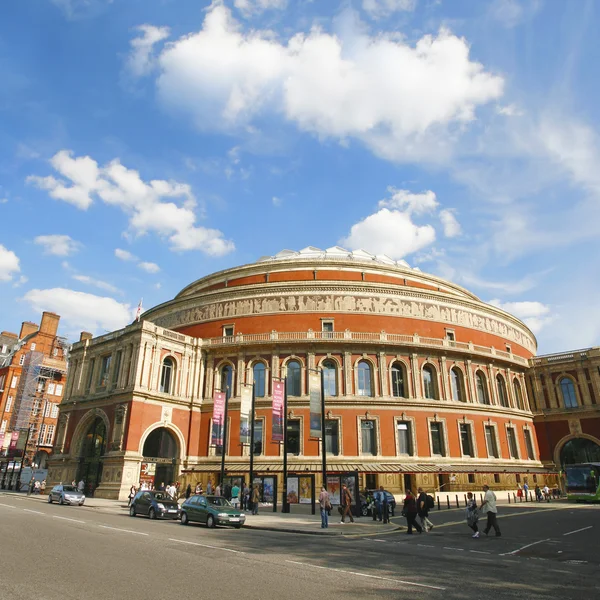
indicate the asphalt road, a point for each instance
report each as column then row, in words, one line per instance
column 57, row 552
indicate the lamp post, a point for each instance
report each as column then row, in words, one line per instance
column 225, row 428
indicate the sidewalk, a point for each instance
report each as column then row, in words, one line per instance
column 94, row 503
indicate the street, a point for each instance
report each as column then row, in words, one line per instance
column 72, row 552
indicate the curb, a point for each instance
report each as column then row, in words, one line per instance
column 317, row 532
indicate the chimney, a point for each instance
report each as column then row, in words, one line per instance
column 27, row 327
column 85, row 335
column 9, row 334
column 49, row 324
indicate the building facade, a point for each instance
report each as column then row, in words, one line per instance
column 33, row 372
column 424, row 383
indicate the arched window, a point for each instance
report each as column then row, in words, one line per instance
column 330, row 378
column 457, row 383
column 518, row 394
column 501, row 387
column 227, row 380
column 429, row 383
column 259, row 371
column 294, row 371
column 365, row 384
column 481, row 386
column 568, row 393
column 398, row 381
column 167, row 375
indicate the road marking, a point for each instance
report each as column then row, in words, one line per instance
column 448, row 548
column 426, row 545
column 523, row 547
column 8, row 505
column 479, row 552
column 384, row 541
column 578, row 530
column 37, row 512
column 206, row 546
column 125, row 530
column 68, row 519
column 423, row 585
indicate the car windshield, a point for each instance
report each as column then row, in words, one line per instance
column 218, row 501
column 69, row 488
column 162, row 496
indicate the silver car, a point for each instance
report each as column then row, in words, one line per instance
column 66, row 494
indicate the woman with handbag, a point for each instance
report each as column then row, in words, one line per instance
column 325, row 505
column 472, row 514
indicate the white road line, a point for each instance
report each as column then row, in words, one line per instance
column 68, row 519
column 426, row 545
column 37, row 512
column 423, row 585
column 523, row 547
column 448, row 548
column 206, row 546
column 384, row 541
column 578, row 530
column 479, row 552
column 124, row 530
column 8, row 505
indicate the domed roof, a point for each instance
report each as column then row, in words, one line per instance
column 337, row 253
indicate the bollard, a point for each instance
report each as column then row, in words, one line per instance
column 457, row 504
column 448, row 501
column 480, row 499
column 465, row 500
column 438, row 502
column 509, row 497
column 530, row 496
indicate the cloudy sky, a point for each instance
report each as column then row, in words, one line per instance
column 144, row 144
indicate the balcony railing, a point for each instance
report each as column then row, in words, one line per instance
column 241, row 339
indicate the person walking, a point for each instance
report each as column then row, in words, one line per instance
column 188, row 491
column 325, row 505
column 472, row 514
column 423, row 511
column 43, row 486
column 489, row 506
column 378, row 497
column 81, row 486
column 209, row 488
column 30, row 486
column 346, row 504
column 235, row 495
column 198, row 489
column 255, row 499
column 36, row 487
column 132, row 492
column 246, row 497
column 218, row 490
column 410, row 512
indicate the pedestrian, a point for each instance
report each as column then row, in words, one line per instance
column 325, row 505
column 546, row 491
column 30, row 486
column 538, row 493
column 81, row 486
column 36, row 487
column 226, row 489
column 410, row 512
column 472, row 514
column 74, row 483
column 423, row 511
column 519, row 492
column 255, row 499
column 235, row 495
column 378, row 505
column 161, row 487
column 188, row 491
column 489, row 506
column 209, row 488
column 245, row 497
column 132, row 492
column 198, row 488
column 526, row 490
column 218, row 490
column 43, row 486
column 346, row 504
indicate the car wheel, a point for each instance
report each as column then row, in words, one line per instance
column 184, row 519
column 49, row 499
column 132, row 511
column 238, row 526
column 210, row 522
column 152, row 513
column 60, row 500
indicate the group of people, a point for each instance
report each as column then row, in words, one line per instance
column 541, row 493
column 36, row 486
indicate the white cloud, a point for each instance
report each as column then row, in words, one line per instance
column 507, row 287
column 151, row 206
column 249, row 8
column 451, row 225
column 79, row 9
column 124, row 254
column 534, row 314
column 141, row 59
column 378, row 9
column 510, row 110
column 96, row 283
column 80, row 310
column 276, row 201
column 21, row 281
column 417, row 204
column 58, row 245
column 510, row 13
column 9, row 264
column 149, row 267
column 405, row 102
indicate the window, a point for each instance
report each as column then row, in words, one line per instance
column 437, row 439
column 365, row 387
column 466, row 439
column 497, row 478
column 2, row 380
column 518, row 395
column 32, row 347
column 3, row 426
column 54, row 413
column 117, row 367
column 293, row 379
column 568, row 393
column 59, row 389
column 48, row 438
column 490, row 439
column 330, row 378
column 4, row 349
column 22, row 360
column 512, row 442
column 534, row 478
column 167, row 373
column 55, row 352
column 529, row 444
column 37, row 404
column 227, row 380
column 41, row 386
column 48, row 409
column 51, row 388
column 13, row 383
column 104, row 369
column 327, row 329
column 293, row 437
column 398, row 381
column 471, row 477
column 457, row 384
column 367, row 432
column 259, row 372
column 451, row 337
column 228, row 330
column 90, row 375
column 501, row 387
column 404, row 438
column 429, row 383
column 9, row 403
column 481, row 386
column 332, row 436
column 258, row 437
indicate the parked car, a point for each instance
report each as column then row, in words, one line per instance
column 364, row 505
column 212, row 510
column 157, row 505
column 66, row 494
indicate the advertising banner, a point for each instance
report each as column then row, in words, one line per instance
column 245, row 406
column 314, row 386
column 305, row 490
column 292, row 490
column 333, row 487
column 12, row 447
column 216, row 438
column 277, row 429
column 268, row 489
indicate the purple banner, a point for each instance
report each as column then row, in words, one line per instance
column 277, row 429
column 216, row 438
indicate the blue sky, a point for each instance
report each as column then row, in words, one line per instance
column 144, row 144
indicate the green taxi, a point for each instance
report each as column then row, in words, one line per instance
column 212, row 510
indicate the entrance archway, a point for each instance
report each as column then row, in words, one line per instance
column 92, row 451
column 579, row 450
column 160, row 454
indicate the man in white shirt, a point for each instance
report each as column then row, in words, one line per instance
column 489, row 506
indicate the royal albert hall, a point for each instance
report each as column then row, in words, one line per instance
column 424, row 383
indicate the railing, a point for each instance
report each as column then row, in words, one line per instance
column 566, row 356
column 241, row 339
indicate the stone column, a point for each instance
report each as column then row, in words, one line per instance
column 583, row 387
column 383, row 375
column 512, row 401
column 241, row 374
column 552, row 397
column 471, row 382
column 275, row 367
column 210, row 377
column 493, row 389
column 414, row 363
column 445, row 381
column 347, row 373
